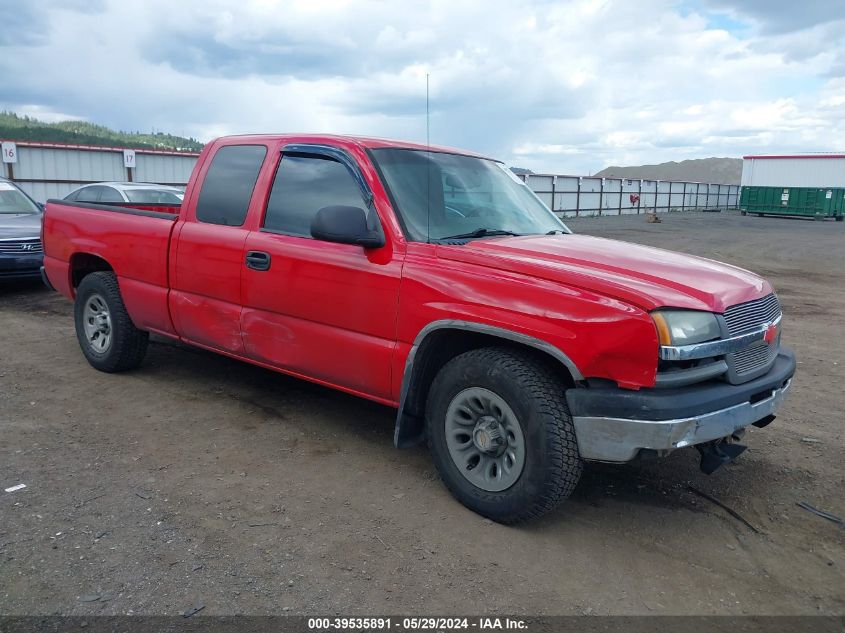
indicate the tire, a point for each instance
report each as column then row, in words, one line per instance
column 107, row 336
column 534, row 396
column 743, row 212
column 839, row 218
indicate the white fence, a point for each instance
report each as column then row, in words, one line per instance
column 573, row 196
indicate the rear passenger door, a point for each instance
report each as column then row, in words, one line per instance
column 205, row 294
column 322, row 310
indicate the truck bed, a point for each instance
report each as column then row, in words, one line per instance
column 135, row 241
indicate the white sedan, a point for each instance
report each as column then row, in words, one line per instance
column 137, row 192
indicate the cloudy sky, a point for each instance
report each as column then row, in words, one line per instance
column 560, row 86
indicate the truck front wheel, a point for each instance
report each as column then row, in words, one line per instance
column 107, row 336
column 501, row 434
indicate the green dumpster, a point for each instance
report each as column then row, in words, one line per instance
column 811, row 202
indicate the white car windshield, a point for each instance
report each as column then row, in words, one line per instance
column 14, row 201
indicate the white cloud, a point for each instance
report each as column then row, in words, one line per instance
column 45, row 114
column 554, row 86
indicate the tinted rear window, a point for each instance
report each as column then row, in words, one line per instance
column 89, row 194
column 110, row 194
column 228, row 184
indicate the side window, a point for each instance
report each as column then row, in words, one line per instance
column 110, row 194
column 303, row 186
column 227, row 188
column 89, row 194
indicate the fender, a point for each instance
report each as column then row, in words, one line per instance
column 409, row 428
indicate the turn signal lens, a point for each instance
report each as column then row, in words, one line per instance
column 663, row 334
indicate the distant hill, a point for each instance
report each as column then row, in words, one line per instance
column 722, row 170
column 24, row 128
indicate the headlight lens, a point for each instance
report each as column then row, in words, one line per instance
column 685, row 327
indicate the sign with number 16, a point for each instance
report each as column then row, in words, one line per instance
column 10, row 152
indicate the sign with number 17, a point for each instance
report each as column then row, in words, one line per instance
column 129, row 158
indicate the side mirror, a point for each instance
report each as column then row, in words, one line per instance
column 345, row 225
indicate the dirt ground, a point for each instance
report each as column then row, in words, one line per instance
column 199, row 480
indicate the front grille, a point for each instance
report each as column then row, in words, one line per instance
column 24, row 246
column 746, row 364
column 753, row 358
column 751, row 315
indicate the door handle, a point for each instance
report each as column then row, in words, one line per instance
column 258, row 260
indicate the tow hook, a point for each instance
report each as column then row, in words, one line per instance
column 764, row 422
column 717, row 453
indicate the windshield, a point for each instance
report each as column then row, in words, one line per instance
column 13, row 200
column 441, row 196
column 154, row 196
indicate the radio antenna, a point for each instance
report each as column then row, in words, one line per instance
column 428, row 166
column 427, row 126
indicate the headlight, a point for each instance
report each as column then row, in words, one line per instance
column 685, row 327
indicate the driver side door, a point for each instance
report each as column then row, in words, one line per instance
column 317, row 309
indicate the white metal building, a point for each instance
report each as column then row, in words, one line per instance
column 51, row 170
column 794, row 170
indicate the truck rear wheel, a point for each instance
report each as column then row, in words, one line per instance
column 107, row 336
column 501, row 434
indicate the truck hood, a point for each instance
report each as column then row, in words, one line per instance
column 18, row 225
column 646, row 277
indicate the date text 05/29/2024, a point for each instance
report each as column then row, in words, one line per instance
column 416, row 624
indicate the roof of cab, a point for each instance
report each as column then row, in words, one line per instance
column 367, row 142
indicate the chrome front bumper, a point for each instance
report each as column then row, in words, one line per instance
column 610, row 438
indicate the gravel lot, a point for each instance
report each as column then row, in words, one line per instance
column 199, row 480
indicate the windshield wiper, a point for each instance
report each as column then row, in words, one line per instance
column 482, row 232
column 556, row 231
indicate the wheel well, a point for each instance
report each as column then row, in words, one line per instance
column 437, row 349
column 83, row 264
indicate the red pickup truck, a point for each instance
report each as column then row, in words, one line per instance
column 434, row 281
